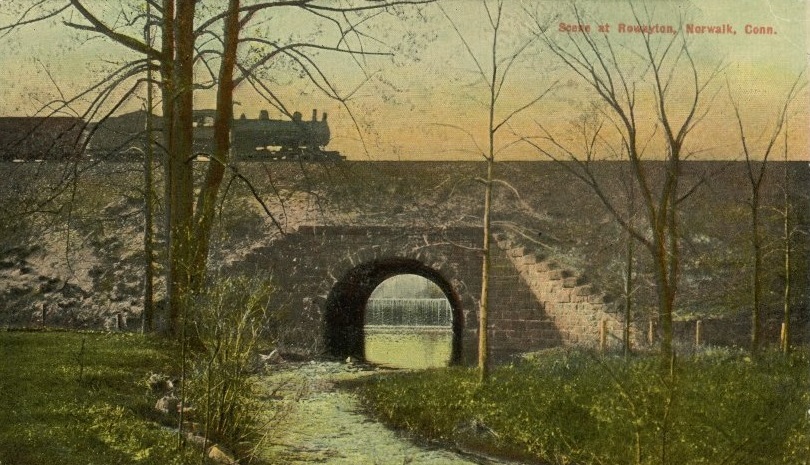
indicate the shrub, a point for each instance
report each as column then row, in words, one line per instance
column 228, row 322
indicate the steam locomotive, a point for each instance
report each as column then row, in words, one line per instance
column 269, row 139
column 121, row 137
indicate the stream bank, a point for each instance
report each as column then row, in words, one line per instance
column 319, row 423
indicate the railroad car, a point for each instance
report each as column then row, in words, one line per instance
column 41, row 138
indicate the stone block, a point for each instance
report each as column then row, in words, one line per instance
column 584, row 290
column 502, row 334
column 596, row 298
column 580, row 298
column 543, row 266
column 597, row 308
column 545, row 282
column 554, row 275
column 515, row 252
column 530, row 276
column 507, row 325
column 527, row 261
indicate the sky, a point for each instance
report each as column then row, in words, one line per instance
column 427, row 101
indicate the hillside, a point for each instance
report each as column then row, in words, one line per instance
column 76, row 261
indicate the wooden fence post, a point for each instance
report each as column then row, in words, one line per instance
column 782, row 335
column 698, row 328
column 603, row 335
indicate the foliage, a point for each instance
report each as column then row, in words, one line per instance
column 228, row 321
column 574, row 407
column 48, row 414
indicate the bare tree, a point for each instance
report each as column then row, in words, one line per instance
column 661, row 65
column 196, row 39
column 791, row 229
column 756, row 166
column 493, row 71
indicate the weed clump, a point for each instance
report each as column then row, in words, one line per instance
column 228, row 326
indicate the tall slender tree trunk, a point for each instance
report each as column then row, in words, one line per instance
column 628, row 295
column 147, row 320
column 756, row 286
column 672, row 256
column 204, row 216
column 665, row 251
column 786, row 291
column 180, row 188
column 785, row 342
column 483, row 317
column 628, row 277
column 666, row 300
column 167, row 101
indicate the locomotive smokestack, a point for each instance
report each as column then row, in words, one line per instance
column 314, row 114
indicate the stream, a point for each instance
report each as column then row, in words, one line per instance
column 318, row 423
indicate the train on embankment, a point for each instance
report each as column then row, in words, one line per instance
column 123, row 138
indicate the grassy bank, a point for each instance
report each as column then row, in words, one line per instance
column 81, row 398
column 720, row 407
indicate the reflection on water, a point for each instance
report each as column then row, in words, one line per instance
column 409, row 346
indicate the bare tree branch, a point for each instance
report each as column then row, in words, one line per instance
column 123, row 39
column 23, row 20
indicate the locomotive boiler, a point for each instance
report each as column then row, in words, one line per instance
column 294, row 139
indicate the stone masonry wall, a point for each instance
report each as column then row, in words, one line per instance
column 568, row 308
column 534, row 304
column 518, row 321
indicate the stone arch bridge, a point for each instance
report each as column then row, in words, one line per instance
column 324, row 275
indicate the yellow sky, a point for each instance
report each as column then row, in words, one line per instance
column 408, row 107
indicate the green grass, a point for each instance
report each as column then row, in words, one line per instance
column 720, row 407
column 60, row 404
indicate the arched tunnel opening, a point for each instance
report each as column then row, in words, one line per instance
column 347, row 304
